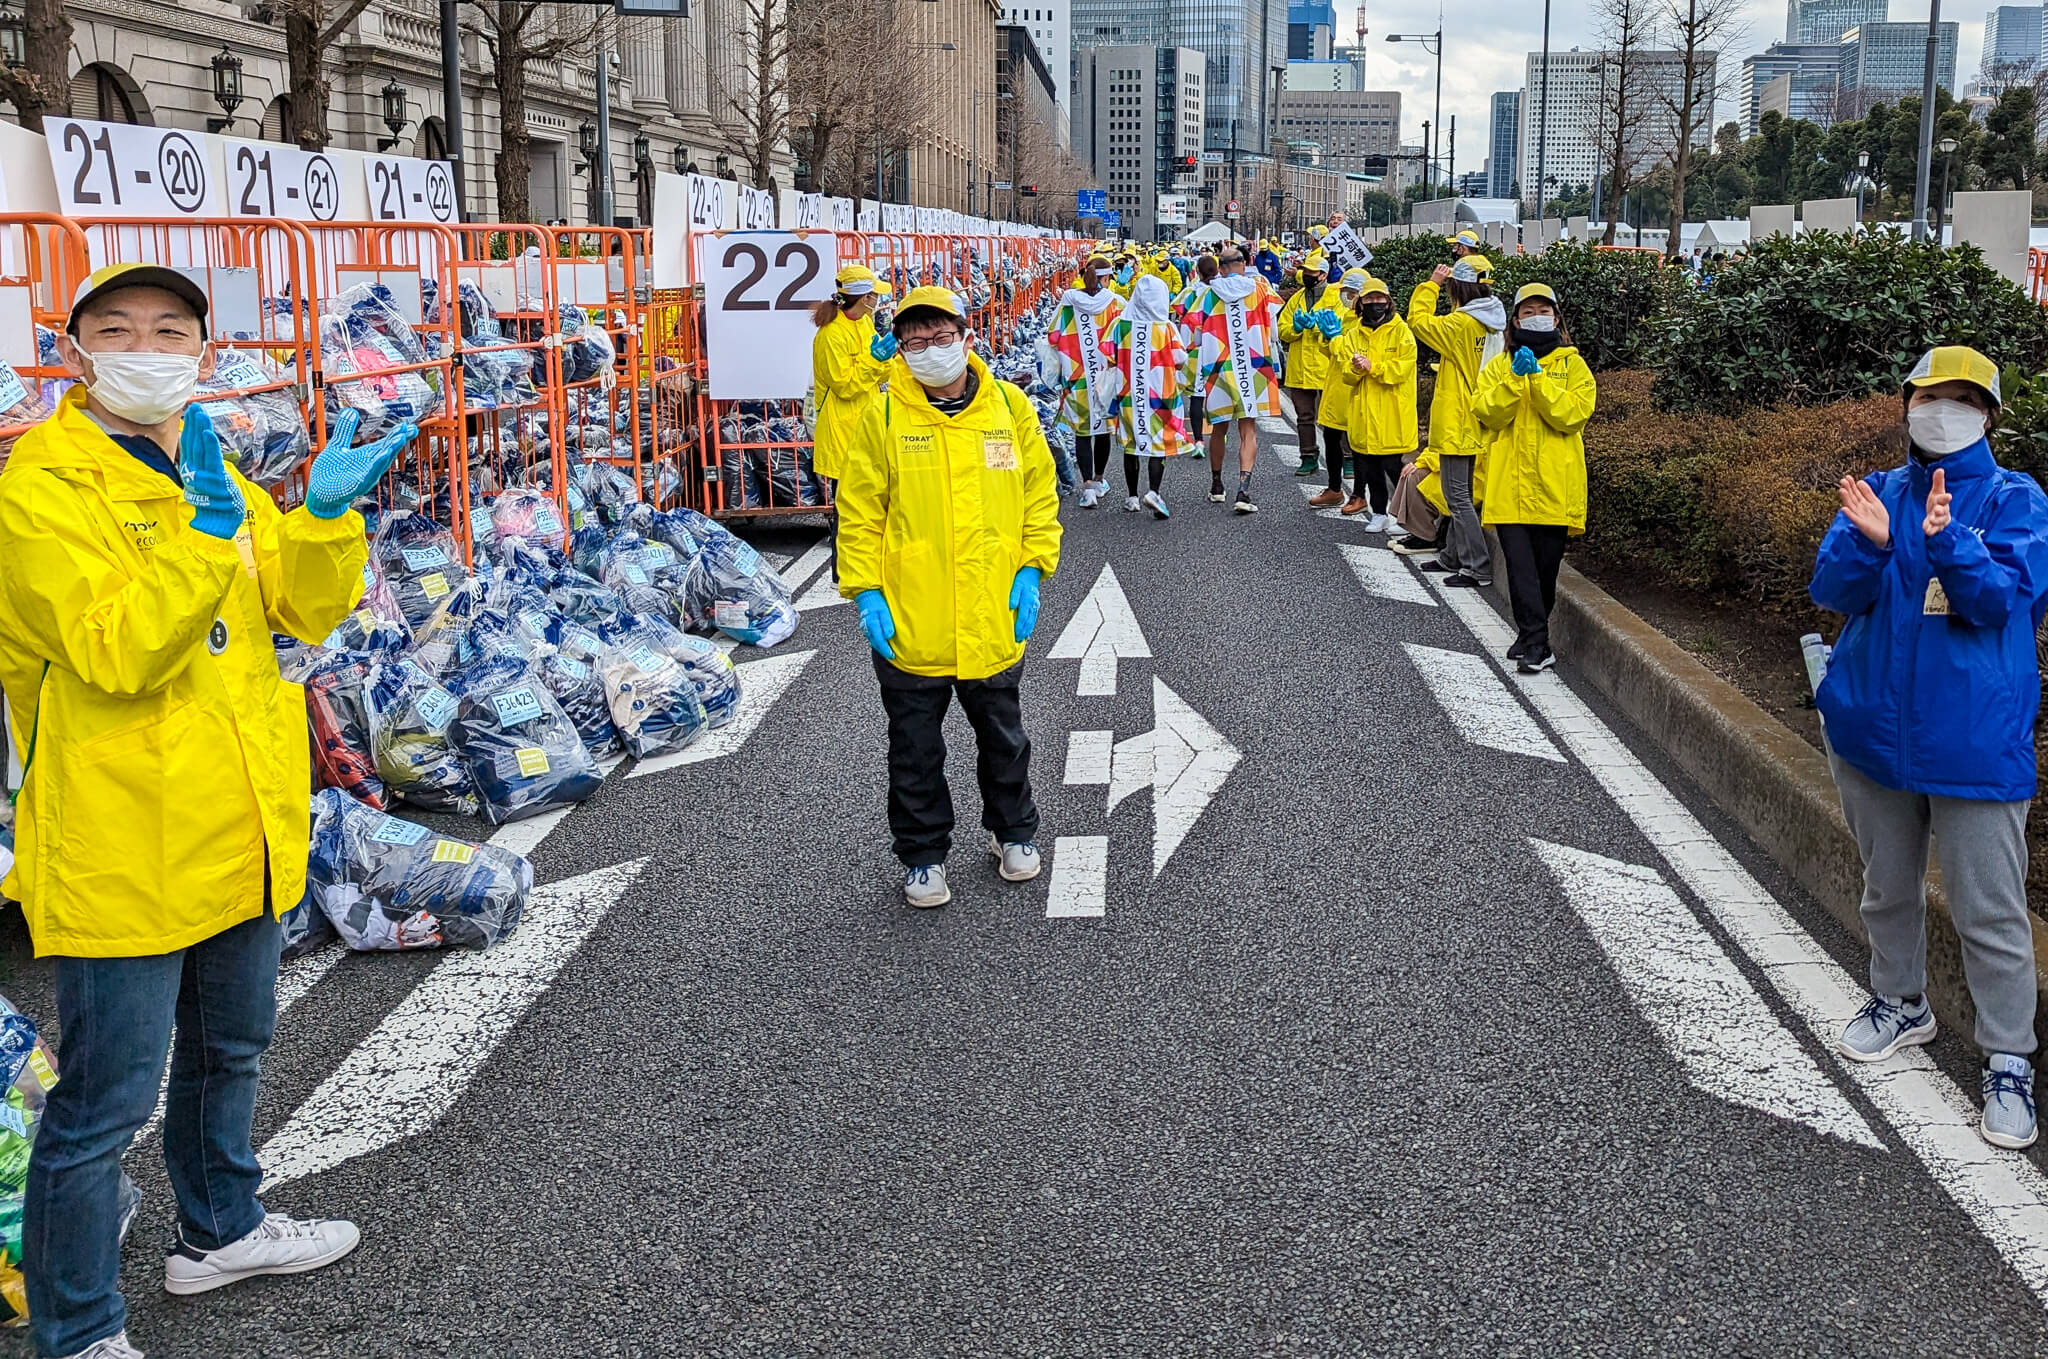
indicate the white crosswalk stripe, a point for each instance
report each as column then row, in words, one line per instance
column 1383, row 573
column 1479, row 704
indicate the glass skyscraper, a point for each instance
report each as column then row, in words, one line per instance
column 1809, row 21
column 1243, row 45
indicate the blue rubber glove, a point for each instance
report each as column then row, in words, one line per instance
column 1330, row 323
column 876, row 622
column 1024, row 599
column 212, row 493
column 883, row 347
column 1525, row 363
column 343, row 474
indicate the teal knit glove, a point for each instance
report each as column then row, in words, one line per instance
column 216, row 501
column 343, row 474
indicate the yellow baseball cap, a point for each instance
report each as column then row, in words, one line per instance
column 1957, row 363
column 1467, row 237
column 940, row 299
column 115, row 277
column 857, row 280
column 1319, row 231
column 1317, row 261
column 1371, row 285
column 1529, row 290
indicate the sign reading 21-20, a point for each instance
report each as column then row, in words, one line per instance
column 120, row 170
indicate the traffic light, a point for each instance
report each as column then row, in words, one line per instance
column 1027, row 190
column 1186, row 163
column 1373, row 165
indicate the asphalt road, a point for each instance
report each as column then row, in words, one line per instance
column 1360, row 1070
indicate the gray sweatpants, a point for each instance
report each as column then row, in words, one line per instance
column 1983, row 848
column 1465, row 545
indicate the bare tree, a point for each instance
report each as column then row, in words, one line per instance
column 1698, row 29
column 517, row 32
column 756, row 106
column 1626, row 32
column 41, row 87
column 831, row 83
column 310, row 28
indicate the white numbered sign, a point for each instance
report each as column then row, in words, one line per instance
column 120, row 170
column 405, row 189
column 267, row 180
column 842, row 213
column 707, row 203
column 810, row 211
column 869, row 219
column 1345, row 249
column 759, row 287
column 757, row 208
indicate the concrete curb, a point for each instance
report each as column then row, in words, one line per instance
column 1755, row 768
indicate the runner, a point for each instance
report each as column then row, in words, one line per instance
column 1307, row 356
column 948, row 612
column 1338, row 327
column 1084, row 314
column 1149, row 358
column 1382, row 431
column 1186, row 310
column 1238, row 341
column 1465, row 340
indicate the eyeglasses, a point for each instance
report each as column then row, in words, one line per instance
column 918, row 346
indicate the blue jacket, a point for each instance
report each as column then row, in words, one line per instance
column 1923, row 702
column 1268, row 263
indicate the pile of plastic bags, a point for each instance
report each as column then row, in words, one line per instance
column 382, row 882
column 261, row 432
column 363, row 338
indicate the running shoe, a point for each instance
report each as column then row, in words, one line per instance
column 2009, row 1102
column 1088, row 496
column 925, row 886
column 1157, row 504
column 1884, row 1025
column 1435, row 568
column 1458, row 580
column 1130, row 504
column 1382, row 523
column 1016, row 860
column 1412, row 546
column 1535, row 661
column 115, row 1346
column 1517, row 649
column 1244, row 503
column 1216, row 493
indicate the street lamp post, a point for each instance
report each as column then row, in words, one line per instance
column 1862, row 178
column 1432, row 43
column 1543, row 111
column 1947, row 146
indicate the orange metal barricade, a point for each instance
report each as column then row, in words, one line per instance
column 47, row 258
column 2037, row 274
column 597, row 269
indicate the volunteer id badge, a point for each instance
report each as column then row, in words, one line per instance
column 1935, row 605
column 999, row 452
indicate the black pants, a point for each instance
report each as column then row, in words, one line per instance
column 1336, row 448
column 1532, row 553
column 1373, row 476
column 920, row 803
column 1092, row 452
column 1155, row 476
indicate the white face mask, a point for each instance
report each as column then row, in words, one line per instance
column 1539, row 324
column 145, row 388
column 1945, row 427
column 939, row 366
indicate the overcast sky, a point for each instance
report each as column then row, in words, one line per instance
column 1487, row 45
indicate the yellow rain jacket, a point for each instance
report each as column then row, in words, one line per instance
column 939, row 512
column 1383, row 405
column 1308, row 353
column 1536, row 469
column 163, row 751
column 1340, row 384
column 1460, row 338
column 846, row 377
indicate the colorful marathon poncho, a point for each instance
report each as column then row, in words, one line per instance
column 1239, row 338
column 1077, row 333
column 1148, row 359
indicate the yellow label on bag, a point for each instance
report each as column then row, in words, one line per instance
column 1935, row 605
column 532, row 761
column 453, row 852
column 434, row 586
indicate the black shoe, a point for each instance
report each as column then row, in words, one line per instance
column 1216, row 493
column 1518, row 649
column 1408, row 545
column 1433, row 566
column 1459, row 580
column 1244, row 503
column 1535, row 661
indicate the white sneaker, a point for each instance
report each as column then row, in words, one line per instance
column 113, row 1347
column 1018, row 862
column 1381, row 523
column 926, row 887
column 1130, row 504
column 279, row 1245
column 1088, row 496
column 1156, row 503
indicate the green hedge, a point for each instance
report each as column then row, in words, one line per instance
column 1612, row 299
column 1820, row 317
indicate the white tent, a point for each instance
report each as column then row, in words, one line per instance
column 1210, row 233
column 1730, row 234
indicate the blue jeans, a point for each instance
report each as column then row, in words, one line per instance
column 115, row 1017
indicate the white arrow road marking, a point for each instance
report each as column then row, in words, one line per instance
column 1080, row 872
column 407, row 1074
column 1130, row 767
column 761, row 683
column 1190, row 760
column 2002, row 1193
column 1384, row 574
column 823, row 594
column 1479, row 704
column 1697, row 1000
column 814, row 557
column 777, row 561
column 1088, row 758
column 1101, row 632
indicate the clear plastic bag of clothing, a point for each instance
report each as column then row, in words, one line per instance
column 305, row 926
column 709, row 668
column 654, row 700
column 525, row 755
column 364, row 340
column 526, row 513
column 409, row 718
column 387, row 883
column 418, row 561
column 731, row 589
column 262, row 432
